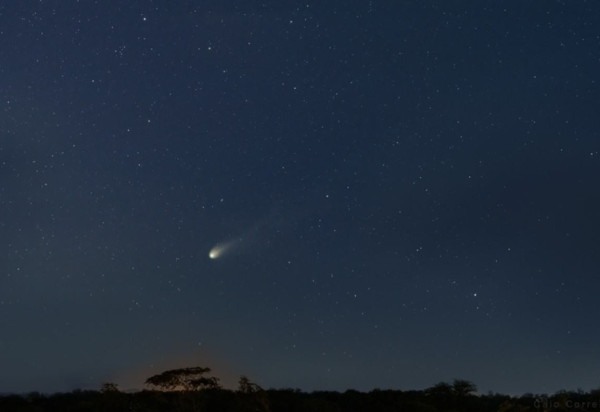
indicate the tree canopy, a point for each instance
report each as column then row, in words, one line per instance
column 185, row 379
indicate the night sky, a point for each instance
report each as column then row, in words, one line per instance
column 399, row 193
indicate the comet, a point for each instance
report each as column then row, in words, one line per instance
column 216, row 252
column 220, row 249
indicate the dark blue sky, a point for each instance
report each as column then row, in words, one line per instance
column 407, row 191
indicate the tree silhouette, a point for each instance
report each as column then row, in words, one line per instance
column 109, row 387
column 246, row 386
column 252, row 396
column 462, row 387
column 440, row 390
column 185, row 379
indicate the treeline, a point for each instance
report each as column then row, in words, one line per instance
column 290, row 400
column 188, row 390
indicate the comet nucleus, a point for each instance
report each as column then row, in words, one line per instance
column 215, row 252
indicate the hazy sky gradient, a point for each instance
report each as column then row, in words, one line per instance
column 409, row 190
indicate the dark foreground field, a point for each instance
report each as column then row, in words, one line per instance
column 441, row 397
